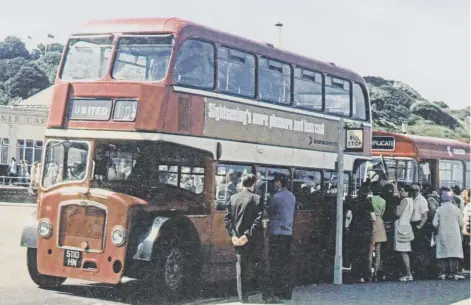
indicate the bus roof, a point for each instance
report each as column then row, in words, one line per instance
column 183, row 29
column 419, row 147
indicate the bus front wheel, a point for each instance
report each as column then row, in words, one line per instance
column 43, row 281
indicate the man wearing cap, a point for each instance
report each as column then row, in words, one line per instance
column 280, row 229
column 243, row 221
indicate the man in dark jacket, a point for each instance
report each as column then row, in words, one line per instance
column 280, row 229
column 243, row 221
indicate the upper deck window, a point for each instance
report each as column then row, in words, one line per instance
column 307, row 89
column 195, row 64
column 87, row 58
column 274, row 81
column 337, row 96
column 236, row 72
column 142, row 58
column 359, row 102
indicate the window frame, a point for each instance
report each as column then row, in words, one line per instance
column 322, row 88
column 366, row 98
column 452, row 162
column 322, row 190
column 256, row 61
column 107, row 67
column 174, row 59
column 350, row 95
column 4, row 145
column 115, row 54
column 291, row 75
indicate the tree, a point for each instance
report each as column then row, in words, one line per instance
column 53, row 47
column 13, row 47
column 27, row 82
column 9, row 67
column 4, row 97
column 48, row 63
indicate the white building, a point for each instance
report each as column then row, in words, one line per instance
column 22, row 129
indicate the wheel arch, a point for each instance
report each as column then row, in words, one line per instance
column 29, row 234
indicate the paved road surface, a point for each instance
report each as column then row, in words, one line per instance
column 17, row 288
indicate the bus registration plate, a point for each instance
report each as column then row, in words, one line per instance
column 72, row 258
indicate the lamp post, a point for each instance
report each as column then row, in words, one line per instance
column 279, row 25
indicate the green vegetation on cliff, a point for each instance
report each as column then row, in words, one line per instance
column 394, row 102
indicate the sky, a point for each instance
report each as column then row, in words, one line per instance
column 424, row 43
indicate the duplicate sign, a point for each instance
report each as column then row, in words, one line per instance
column 386, row 143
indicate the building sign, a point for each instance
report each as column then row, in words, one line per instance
column 23, row 119
column 229, row 120
column 354, row 139
column 90, row 110
column 384, row 143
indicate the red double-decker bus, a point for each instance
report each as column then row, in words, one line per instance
column 419, row 159
column 152, row 125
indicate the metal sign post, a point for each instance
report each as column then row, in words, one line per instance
column 350, row 140
column 339, row 219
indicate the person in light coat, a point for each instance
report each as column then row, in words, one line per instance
column 449, row 221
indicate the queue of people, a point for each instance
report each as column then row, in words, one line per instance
column 421, row 223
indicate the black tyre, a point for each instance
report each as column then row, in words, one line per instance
column 175, row 273
column 43, row 281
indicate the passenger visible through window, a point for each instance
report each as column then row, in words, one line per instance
column 265, row 186
column 87, row 58
column 195, row 64
column 228, row 182
column 307, row 188
column 143, row 58
column 331, row 183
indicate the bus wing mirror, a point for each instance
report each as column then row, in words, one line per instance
column 218, row 150
column 93, row 170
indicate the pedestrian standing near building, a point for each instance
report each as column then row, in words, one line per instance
column 449, row 221
column 280, row 229
column 12, row 171
column 243, row 221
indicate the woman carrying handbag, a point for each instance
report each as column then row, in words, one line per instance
column 403, row 233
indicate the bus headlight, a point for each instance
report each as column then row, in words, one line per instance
column 45, row 228
column 118, row 236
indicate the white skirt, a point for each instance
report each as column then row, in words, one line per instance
column 400, row 246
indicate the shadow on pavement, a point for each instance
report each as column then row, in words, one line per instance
column 133, row 293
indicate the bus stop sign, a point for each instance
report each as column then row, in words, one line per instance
column 354, row 139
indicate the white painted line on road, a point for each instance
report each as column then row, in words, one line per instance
column 11, row 204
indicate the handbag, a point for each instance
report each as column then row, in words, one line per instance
column 404, row 231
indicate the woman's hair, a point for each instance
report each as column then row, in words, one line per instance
column 427, row 188
column 376, row 188
column 388, row 188
column 447, row 196
column 407, row 188
column 465, row 196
